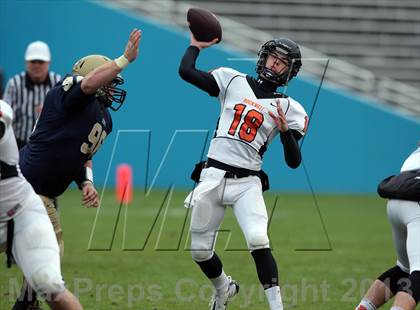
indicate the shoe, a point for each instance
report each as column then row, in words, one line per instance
column 220, row 301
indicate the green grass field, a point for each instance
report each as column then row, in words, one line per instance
column 149, row 265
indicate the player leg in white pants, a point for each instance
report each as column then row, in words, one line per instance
column 251, row 213
column 35, row 250
column 403, row 280
column 405, row 220
column 206, row 218
column 245, row 195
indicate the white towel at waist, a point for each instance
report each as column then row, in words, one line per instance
column 210, row 178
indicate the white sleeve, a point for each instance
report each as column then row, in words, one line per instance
column 6, row 118
column 296, row 117
column 223, row 77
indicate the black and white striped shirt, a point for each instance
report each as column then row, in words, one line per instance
column 27, row 99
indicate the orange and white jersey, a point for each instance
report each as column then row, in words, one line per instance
column 245, row 127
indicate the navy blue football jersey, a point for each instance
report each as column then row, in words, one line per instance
column 70, row 130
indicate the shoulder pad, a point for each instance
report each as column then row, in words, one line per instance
column 297, row 106
column 227, row 71
column 70, row 81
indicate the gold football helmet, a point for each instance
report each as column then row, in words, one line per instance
column 106, row 94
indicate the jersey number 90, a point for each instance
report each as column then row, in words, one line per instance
column 96, row 138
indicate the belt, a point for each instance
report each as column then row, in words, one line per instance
column 7, row 171
column 231, row 172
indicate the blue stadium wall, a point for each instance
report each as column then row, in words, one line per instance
column 163, row 127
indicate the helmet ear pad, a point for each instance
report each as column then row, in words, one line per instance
column 286, row 48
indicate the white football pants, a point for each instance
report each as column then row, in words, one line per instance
column 214, row 192
column 35, row 248
column 404, row 217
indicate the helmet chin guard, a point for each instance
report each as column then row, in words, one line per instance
column 110, row 94
column 286, row 48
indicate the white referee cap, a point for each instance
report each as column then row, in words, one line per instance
column 38, row 50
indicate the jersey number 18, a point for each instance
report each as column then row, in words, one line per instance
column 252, row 121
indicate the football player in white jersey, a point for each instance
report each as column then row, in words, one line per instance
column 25, row 228
column 252, row 114
column 403, row 208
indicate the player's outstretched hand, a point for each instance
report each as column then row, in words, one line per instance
column 90, row 197
column 200, row 44
column 132, row 48
column 280, row 119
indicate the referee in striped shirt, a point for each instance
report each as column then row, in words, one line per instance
column 26, row 91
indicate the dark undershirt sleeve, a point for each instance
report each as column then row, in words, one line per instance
column 201, row 79
column 291, row 148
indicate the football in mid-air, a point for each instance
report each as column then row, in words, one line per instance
column 204, row 25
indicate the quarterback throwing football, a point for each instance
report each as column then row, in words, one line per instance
column 252, row 114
